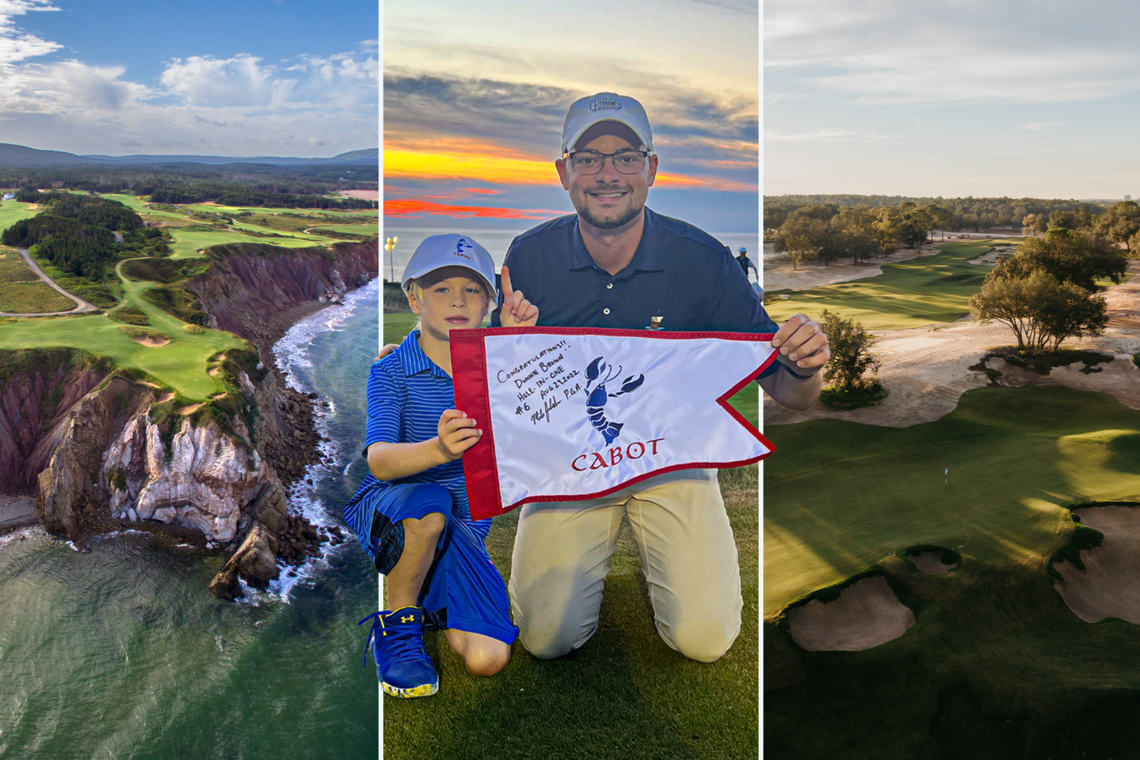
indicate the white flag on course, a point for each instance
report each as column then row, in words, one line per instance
column 577, row 413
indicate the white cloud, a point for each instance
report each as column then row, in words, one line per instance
column 891, row 51
column 1039, row 126
column 240, row 105
column 245, row 81
column 16, row 46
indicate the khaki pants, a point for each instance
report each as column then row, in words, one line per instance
column 688, row 556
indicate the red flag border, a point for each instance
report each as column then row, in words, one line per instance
column 472, row 396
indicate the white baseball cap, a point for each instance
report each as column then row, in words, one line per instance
column 605, row 106
column 439, row 251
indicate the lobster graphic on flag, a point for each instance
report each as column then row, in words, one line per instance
column 597, row 398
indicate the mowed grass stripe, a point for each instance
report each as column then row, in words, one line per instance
column 922, row 291
column 624, row 694
column 851, row 494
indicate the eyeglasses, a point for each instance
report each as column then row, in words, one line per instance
column 591, row 161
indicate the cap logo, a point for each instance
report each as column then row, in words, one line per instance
column 604, row 103
column 459, row 249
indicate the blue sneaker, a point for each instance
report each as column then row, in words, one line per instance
column 397, row 645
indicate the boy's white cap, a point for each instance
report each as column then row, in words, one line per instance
column 605, row 106
column 439, row 251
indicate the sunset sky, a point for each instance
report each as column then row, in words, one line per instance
column 213, row 77
column 473, row 109
column 959, row 98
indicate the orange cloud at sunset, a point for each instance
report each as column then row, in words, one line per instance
column 413, row 206
column 469, row 159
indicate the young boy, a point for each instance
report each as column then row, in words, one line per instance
column 411, row 513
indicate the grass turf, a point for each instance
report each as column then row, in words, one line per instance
column 182, row 364
column 922, row 291
column 12, row 212
column 624, row 694
column 854, row 493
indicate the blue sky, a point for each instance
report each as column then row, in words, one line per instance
column 495, row 82
column 958, row 98
column 237, row 78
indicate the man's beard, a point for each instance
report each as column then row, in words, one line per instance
column 609, row 224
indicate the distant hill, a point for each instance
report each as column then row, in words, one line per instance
column 19, row 155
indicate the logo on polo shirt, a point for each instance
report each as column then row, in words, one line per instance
column 602, row 104
column 597, row 398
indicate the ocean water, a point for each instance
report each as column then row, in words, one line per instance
column 497, row 241
column 116, row 649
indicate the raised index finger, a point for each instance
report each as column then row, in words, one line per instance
column 507, row 291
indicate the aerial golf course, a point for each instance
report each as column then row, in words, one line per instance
column 158, row 346
column 875, row 650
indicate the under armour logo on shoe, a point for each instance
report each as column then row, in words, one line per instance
column 407, row 619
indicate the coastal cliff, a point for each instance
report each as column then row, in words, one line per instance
column 103, row 448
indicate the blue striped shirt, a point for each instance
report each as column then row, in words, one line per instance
column 407, row 393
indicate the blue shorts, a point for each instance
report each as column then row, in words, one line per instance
column 463, row 590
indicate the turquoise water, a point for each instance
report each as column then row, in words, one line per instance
column 116, row 649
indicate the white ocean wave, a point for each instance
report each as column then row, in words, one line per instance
column 292, row 354
column 292, row 351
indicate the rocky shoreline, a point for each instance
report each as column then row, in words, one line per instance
column 213, row 480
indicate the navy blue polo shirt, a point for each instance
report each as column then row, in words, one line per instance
column 679, row 273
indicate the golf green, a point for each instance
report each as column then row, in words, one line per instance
column 914, row 293
column 840, row 496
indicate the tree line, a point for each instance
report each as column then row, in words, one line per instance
column 233, row 184
column 969, row 213
column 826, row 232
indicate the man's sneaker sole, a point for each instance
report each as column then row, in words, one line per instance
column 426, row 690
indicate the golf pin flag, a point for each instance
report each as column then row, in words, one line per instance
column 577, row 413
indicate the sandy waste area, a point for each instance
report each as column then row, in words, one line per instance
column 927, row 369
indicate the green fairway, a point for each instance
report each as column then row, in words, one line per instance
column 624, row 694
column 181, row 364
column 12, row 212
column 850, row 494
column 922, row 291
column 188, row 241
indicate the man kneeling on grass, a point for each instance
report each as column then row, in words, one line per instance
column 411, row 513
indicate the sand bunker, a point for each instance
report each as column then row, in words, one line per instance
column 992, row 257
column 192, row 408
column 931, row 563
column 165, row 397
column 1109, row 586
column 779, row 273
column 217, row 396
column 214, row 371
column 367, row 195
column 866, row 615
column 152, row 341
column 149, row 384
